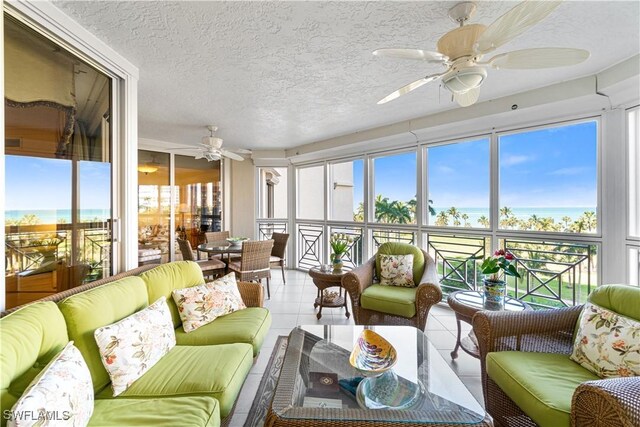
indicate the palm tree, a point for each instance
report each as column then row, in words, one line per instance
column 442, row 219
column 399, row 213
column 483, row 221
column 455, row 215
column 465, row 218
column 358, row 215
column 566, row 221
column 383, row 208
column 505, row 214
column 590, row 221
column 412, row 204
column 432, row 211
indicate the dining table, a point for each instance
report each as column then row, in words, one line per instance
column 220, row 247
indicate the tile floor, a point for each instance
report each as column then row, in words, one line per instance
column 292, row 304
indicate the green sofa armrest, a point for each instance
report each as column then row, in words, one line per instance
column 611, row 402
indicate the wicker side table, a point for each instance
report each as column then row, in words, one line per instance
column 324, row 280
column 467, row 303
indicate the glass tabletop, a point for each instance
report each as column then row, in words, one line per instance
column 219, row 246
column 474, row 299
column 318, row 382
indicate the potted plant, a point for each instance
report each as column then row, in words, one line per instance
column 339, row 244
column 494, row 286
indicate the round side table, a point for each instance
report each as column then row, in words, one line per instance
column 467, row 303
column 324, row 280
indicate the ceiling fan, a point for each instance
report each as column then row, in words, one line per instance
column 211, row 148
column 461, row 50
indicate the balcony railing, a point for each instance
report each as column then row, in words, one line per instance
column 554, row 274
column 267, row 228
column 310, row 244
column 457, row 259
column 384, row 236
column 354, row 255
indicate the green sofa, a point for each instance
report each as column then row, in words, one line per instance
column 195, row 384
column 528, row 378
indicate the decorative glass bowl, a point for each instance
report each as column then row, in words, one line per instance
column 372, row 355
column 237, row 241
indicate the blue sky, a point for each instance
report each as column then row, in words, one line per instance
column 552, row 167
column 45, row 184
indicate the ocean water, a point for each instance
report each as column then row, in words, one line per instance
column 521, row 213
column 55, row 216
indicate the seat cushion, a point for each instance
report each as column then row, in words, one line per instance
column 248, row 326
column 398, row 248
column 274, row 259
column 89, row 310
column 390, row 299
column 541, row 384
column 162, row 280
column 170, row 411
column 622, row 299
column 216, row 371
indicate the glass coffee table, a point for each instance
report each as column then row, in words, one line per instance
column 318, row 386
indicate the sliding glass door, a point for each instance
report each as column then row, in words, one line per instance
column 58, row 213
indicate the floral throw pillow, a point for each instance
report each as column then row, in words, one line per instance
column 396, row 270
column 607, row 343
column 63, row 392
column 200, row 305
column 130, row 347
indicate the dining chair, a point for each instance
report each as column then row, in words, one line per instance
column 215, row 236
column 210, row 267
column 278, row 253
column 253, row 265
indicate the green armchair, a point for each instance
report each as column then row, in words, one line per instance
column 529, row 380
column 375, row 304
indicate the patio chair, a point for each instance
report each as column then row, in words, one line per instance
column 278, row 253
column 210, row 267
column 528, row 378
column 253, row 265
column 215, row 236
column 375, row 304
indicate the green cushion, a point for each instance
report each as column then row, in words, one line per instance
column 174, row 411
column 248, row 326
column 541, row 384
column 162, row 280
column 622, row 299
column 29, row 339
column 87, row 311
column 390, row 299
column 397, row 248
column 216, row 371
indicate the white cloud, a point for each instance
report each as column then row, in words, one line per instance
column 568, row 171
column 515, row 159
column 445, row 169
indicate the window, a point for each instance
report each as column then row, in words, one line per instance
column 458, row 184
column 310, row 187
column 154, row 206
column 633, row 147
column 346, row 180
column 395, row 189
column 548, row 179
column 57, row 181
column 273, row 193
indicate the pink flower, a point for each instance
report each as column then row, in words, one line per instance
column 508, row 256
column 619, row 345
column 624, row 372
column 499, row 253
column 110, row 359
column 584, row 341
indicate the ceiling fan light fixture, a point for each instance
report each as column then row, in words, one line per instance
column 147, row 168
column 465, row 79
column 211, row 156
column 212, row 141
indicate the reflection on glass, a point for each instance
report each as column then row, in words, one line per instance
column 273, row 193
column 458, row 184
column 548, row 179
column 633, row 140
column 58, row 170
column 154, row 207
column 311, row 192
column 346, row 191
column 198, row 199
column 395, row 189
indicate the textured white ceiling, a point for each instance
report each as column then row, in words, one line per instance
column 281, row 74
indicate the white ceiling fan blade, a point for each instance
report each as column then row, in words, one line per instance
column 408, row 88
column 418, row 54
column 239, row 150
column 513, row 23
column 545, row 57
column 231, row 155
column 467, row 98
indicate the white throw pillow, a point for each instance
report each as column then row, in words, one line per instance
column 200, row 305
column 130, row 347
column 61, row 394
column 396, row 270
column 607, row 343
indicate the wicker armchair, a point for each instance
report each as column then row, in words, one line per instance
column 427, row 294
column 210, row 267
column 607, row 402
column 278, row 253
column 253, row 264
column 215, row 236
